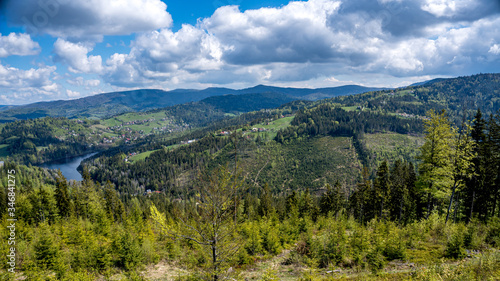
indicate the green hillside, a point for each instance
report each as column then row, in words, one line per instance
column 109, row 104
column 362, row 187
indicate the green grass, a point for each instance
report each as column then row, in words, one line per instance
column 141, row 156
column 272, row 128
column 108, row 135
column 146, row 127
column 350, row 108
column 40, row 148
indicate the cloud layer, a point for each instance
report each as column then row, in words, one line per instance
column 311, row 43
column 305, row 40
column 79, row 19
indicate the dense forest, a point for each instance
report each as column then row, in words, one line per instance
column 437, row 219
column 304, row 191
column 38, row 140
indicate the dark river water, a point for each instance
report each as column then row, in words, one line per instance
column 68, row 166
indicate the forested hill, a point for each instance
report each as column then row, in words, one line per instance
column 322, row 141
column 456, row 95
column 109, row 104
column 50, row 138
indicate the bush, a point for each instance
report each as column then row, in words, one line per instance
column 375, row 260
column 394, row 246
column 454, row 247
column 129, row 252
column 334, row 248
column 493, row 236
column 47, row 254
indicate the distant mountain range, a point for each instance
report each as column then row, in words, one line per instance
column 109, row 104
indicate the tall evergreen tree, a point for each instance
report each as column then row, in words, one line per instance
column 398, row 197
column 62, row 197
column 477, row 192
column 381, row 190
column 266, row 203
column 414, row 196
column 494, row 138
column 114, row 206
column 332, row 199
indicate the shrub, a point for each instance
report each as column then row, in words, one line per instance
column 493, row 236
column 454, row 247
column 375, row 260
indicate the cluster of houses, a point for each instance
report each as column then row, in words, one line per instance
column 259, row 129
column 149, row 192
column 129, row 155
column 406, row 115
column 138, row 122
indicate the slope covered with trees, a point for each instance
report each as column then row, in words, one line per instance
column 304, row 191
column 392, row 225
column 109, row 104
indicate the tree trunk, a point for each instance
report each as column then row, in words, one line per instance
column 400, row 209
column 494, row 204
column 451, row 201
column 456, row 208
column 428, row 204
column 472, row 205
column 215, row 276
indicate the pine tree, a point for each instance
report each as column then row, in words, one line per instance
column 414, row 197
column 398, row 196
column 477, row 187
column 114, row 206
column 381, row 190
column 292, row 202
column 331, row 200
column 265, row 206
column 62, row 196
column 360, row 200
column 494, row 138
column 305, row 204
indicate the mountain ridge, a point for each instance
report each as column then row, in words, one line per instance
column 108, row 104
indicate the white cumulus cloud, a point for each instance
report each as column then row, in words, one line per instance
column 76, row 56
column 495, row 49
column 18, row 44
column 72, row 94
column 26, row 86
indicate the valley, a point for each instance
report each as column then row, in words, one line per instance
column 388, row 184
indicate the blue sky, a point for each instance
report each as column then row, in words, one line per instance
column 67, row 49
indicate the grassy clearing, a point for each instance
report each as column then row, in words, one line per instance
column 151, row 121
column 272, row 127
column 350, row 108
column 141, row 156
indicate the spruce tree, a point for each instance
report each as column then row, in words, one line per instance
column 477, row 187
column 381, row 189
column 266, row 203
column 61, row 194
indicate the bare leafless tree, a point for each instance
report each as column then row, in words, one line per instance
column 211, row 224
